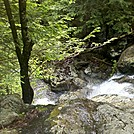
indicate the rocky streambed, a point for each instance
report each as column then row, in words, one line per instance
column 86, row 101
column 103, row 108
column 102, row 114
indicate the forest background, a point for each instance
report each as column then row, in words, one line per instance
column 36, row 33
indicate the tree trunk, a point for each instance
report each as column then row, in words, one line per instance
column 27, row 91
column 24, row 55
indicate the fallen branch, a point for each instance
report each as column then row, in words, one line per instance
column 99, row 45
column 102, row 61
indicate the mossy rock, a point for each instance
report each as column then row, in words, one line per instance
column 126, row 61
column 83, row 116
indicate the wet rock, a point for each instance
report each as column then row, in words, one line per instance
column 114, row 120
column 43, row 94
column 69, row 85
column 92, row 64
column 125, row 79
column 83, row 116
column 74, row 72
column 126, row 61
column 88, row 71
column 72, row 96
column 79, row 82
column 121, row 102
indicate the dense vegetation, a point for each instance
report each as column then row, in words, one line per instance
column 35, row 32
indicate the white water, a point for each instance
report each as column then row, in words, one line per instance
column 112, row 87
column 44, row 96
column 43, row 101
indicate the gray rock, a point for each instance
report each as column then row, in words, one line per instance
column 122, row 102
column 12, row 102
column 71, row 96
column 88, row 71
column 126, row 61
column 127, row 79
column 10, row 107
column 7, row 117
column 9, row 131
column 69, row 85
column 83, row 116
column 79, row 82
column 114, row 120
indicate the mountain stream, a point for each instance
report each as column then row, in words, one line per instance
column 118, row 84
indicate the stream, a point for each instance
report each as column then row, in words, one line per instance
column 118, row 84
column 112, row 86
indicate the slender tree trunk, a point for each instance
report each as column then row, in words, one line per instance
column 13, row 29
column 27, row 91
column 24, row 55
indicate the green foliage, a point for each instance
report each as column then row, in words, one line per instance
column 58, row 30
column 10, row 84
column 48, row 28
column 9, row 76
column 92, row 34
column 115, row 17
column 51, row 33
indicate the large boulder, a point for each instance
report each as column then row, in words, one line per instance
column 12, row 102
column 122, row 102
column 126, row 61
column 7, row 117
column 114, row 120
column 83, row 116
column 10, row 107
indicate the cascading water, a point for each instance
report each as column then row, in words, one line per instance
column 43, row 95
column 113, row 86
column 118, row 84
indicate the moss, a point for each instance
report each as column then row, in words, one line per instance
column 54, row 113
column 41, row 108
